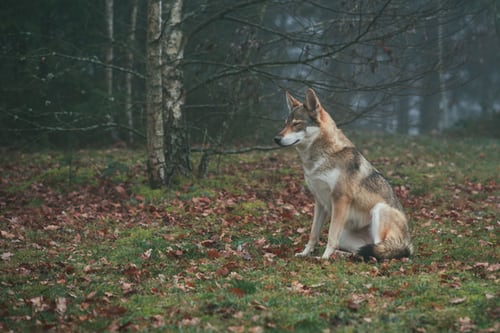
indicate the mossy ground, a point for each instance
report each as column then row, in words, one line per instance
column 89, row 247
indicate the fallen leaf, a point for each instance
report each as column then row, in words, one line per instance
column 146, row 255
column 51, row 227
column 191, row 321
column 127, row 287
column 61, row 305
column 494, row 267
column 38, row 304
column 120, row 190
column 457, row 300
column 237, row 292
column 6, row 256
column 158, row 321
column 351, row 305
column 466, row 324
column 6, row 234
column 213, row 254
column 91, row 296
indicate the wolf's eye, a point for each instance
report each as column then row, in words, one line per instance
column 296, row 123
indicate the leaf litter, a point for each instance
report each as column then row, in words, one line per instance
column 78, row 254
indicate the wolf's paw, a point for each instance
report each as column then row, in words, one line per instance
column 307, row 251
column 328, row 252
column 302, row 254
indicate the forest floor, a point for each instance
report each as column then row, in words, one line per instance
column 85, row 245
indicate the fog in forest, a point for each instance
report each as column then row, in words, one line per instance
column 76, row 73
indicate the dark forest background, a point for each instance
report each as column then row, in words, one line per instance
column 412, row 67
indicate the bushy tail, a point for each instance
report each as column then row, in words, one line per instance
column 388, row 249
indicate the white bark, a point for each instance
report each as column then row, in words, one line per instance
column 155, row 130
column 177, row 149
column 174, row 53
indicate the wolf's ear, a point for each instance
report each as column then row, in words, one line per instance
column 291, row 101
column 312, row 101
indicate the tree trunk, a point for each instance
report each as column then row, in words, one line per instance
column 176, row 137
column 403, row 126
column 442, row 79
column 429, row 108
column 109, row 48
column 154, row 112
column 109, row 9
column 130, row 64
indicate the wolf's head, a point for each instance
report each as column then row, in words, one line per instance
column 303, row 123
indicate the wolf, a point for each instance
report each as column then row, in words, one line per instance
column 366, row 217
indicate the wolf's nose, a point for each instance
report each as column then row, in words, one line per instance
column 277, row 139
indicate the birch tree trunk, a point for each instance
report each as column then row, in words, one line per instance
column 154, row 112
column 130, row 64
column 176, row 137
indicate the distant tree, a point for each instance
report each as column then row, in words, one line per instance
column 211, row 75
column 129, row 105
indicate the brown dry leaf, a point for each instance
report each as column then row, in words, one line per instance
column 51, row 227
column 299, row 287
column 191, row 321
column 127, row 287
column 466, row 324
column 6, row 256
column 147, row 254
column 158, row 321
column 213, row 254
column 6, row 234
column 457, row 300
column 91, row 296
column 237, row 292
column 120, row 190
column 38, row 305
column 61, row 305
column 494, row 267
column 236, row 329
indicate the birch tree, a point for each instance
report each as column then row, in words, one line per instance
column 177, row 147
column 154, row 112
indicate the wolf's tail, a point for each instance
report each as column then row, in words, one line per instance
column 388, row 249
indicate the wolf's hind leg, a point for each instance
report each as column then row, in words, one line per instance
column 353, row 240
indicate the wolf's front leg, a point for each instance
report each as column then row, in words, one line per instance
column 340, row 208
column 320, row 214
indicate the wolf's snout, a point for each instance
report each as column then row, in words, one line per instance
column 277, row 139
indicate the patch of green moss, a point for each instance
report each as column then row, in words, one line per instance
column 255, row 208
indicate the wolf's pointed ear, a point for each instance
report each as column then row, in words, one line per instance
column 291, row 101
column 312, row 101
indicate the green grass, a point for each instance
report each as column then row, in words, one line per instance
column 217, row 254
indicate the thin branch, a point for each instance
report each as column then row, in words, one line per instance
column 233, row 151
column 94, row 60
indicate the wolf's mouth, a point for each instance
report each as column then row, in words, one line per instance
column 291, row 144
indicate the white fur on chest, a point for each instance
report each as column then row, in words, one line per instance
column 322, row 183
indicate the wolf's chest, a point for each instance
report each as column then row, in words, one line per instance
column 322, row 183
